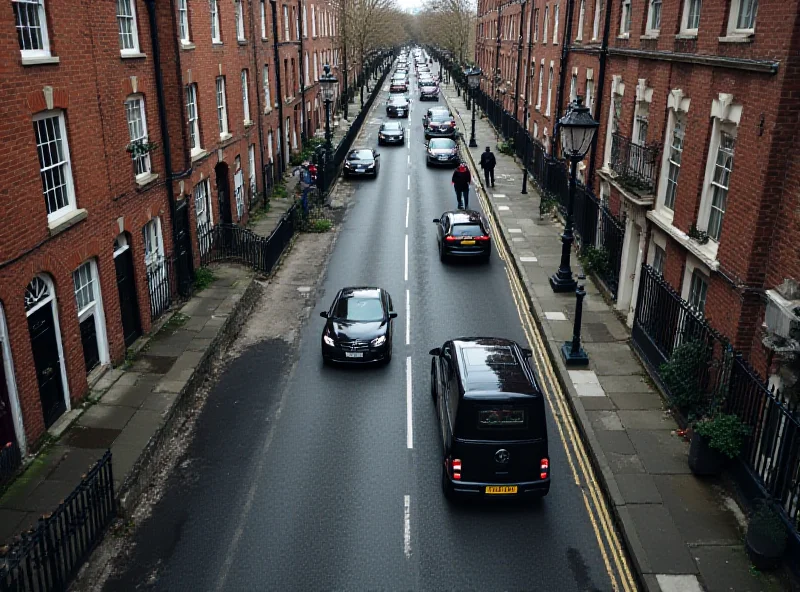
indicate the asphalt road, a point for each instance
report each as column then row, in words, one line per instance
column 303, row 477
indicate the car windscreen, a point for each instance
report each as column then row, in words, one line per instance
column 391, row 125
column 467, row 230
column 441, row 144
column 359, row 309
column 360, row 155
column 440, row 117
column 398, row 101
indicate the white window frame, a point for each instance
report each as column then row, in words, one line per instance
column 734, row 17
column 238, row 187
column 251, row 169
column 313, row 22
column 142, row 164
column 246, row 97
column 546, row 24
column 581, row 20
column 625, row 19
column 134, row 32
column 263, row 19
column 222, row 107
column 573, row 86
column 153, row 242
column 720, row 180
column 193, row 119
column 549, row 88
column 589, row 98
column 654, row 15
column 596, row 22
column 305, row 22
column 286, row 23
column 43, row 39
column 11, row 383
column 541, row 87
column 269, row 147
column 697, row 294
column 265, row 85
column 238, row 12
column 305, row 71
column 65, row 162
column 659, row 259
column 204, row 213
column 316, row 67
column 556, row 12
column 95, row 307
column 216, row 31
column 674, row 145
column 687, row 27
column 183, row 22
column 536, row 24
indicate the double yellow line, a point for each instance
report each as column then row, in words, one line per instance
column 614, row 557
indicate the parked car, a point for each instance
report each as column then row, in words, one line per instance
column 428, row 91
column 440, row 125
column 359, row 327
column 463, row 233
column 362, row 162
column 397, row 106
column 442, row 151
column 434, row 109
column 391, row 132
column 491, row 419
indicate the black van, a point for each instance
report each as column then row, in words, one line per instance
column 492, row 419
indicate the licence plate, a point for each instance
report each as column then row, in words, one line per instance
column 501, row 489
column 353, row 355
column 467, row 242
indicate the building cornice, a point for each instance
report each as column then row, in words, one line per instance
column 761, row 66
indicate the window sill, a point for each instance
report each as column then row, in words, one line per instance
column 225, row 137
column 248, row 123
column 145, row 180
column 40, row 60
column 686, row 36
column 707, row 253
column 624, row 36
column 187, row 45
column 267, row 110
column 265, row 39
column 737, row 38
column 241, row 41
column 132, row 56
column 650, row 36
column 217, row 43
column 66, row 221
column 198, row 155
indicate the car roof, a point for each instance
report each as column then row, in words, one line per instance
column 492, row 367
column 465, row 217
column 436, row 108
column 361, row 292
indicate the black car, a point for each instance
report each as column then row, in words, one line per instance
column 491, row 418
column 397, row 106
column 435, row 109
column 442, row 151
column 359, row 327
column 440, row 125
column 463, row 233
column 362, row 162
column 428, row 91
column 398, row 85
column 391, row 132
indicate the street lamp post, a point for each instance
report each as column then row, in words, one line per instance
column 577, row 131
column 328, row 84
column 473, row 80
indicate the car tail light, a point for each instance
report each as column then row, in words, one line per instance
column 482, row 238
column 452, row 124
column 544, row 468
column 451, row 238
column 456, row 467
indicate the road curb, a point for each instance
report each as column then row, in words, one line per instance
column 608, row 483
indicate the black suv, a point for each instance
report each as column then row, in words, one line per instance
column 397, row 106
column 491, row 418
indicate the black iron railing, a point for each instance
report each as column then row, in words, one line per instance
column 48, row 556
column 160, row 281
column 10, row 461
column 636, row 165
column 610, row 237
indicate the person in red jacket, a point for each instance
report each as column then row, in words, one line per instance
column 461, row 182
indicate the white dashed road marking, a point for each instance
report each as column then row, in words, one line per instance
column 409, row 407
column 407, row 526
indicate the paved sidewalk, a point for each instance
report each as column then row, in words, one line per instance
column 682, row 533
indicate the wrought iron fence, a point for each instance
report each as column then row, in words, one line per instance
column 160, row 282
column 636, row 165
column 10, row 461
column 49, row 555
column 713, row 375
column 610, row 237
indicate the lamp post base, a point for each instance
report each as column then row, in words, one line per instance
column 579, row 358
column 473, row 143
column 563, row 283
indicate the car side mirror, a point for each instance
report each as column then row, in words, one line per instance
column 392, row 315
column 526, row 352
column 377, row 154
column 436, row 220
column 435, row 352
column 323, row 314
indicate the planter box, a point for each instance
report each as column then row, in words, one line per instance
column 704, row 460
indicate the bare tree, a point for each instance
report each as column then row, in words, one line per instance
column 450, row 24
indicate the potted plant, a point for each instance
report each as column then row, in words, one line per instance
column 716, row 441
column 766, row 536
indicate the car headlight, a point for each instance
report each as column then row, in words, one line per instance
column 372, row 166
column 378, row 341
column 381, row 136
column 328, row 340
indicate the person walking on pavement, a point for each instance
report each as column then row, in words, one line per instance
column 461, row 181
column 488, row 162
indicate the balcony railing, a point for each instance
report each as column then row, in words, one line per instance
column 636, row 165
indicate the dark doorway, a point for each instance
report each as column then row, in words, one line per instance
column 224, row 192
column 91, row 353
column 6, row 418
column 126, row 286
column 42, row 327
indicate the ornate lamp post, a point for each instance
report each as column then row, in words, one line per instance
column 328, row 84
column 577, row 131
column 473, row 79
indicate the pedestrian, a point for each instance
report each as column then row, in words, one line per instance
column 461, row 182
column 488, row 162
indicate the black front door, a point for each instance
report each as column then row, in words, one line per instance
column 128, row 304
column 42, row 328
column 6, row 419
column 91, row 353
column 224, row 193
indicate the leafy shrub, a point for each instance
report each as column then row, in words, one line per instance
column 203, row 278
column 319, row 225
column 595, row 260
column 725, row 432
column 506, row 147
column 681, row 375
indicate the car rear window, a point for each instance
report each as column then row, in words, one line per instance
column 360, row 309
column 506, row 422
column 440, row 117
column 497, row 417
column 391, row 125
column 467, row 230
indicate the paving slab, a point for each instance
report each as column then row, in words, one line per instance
column 612, row 359
column 726, row 567
column 637, row 401
column 75, row 461
column 661, row 451
column 11, row 523
column 663, row 545
column 650, row 419
column 128, row 396
column 106, row 416
column 638, row 489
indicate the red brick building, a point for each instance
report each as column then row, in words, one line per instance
column 105, row 162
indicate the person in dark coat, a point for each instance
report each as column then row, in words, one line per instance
column 488, row 162
column 461, row 181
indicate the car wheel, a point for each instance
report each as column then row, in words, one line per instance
column 442, row 254
column 433, row 381
column 326, row 361
column 427, row 163
column 447, row 486
column 486, row 256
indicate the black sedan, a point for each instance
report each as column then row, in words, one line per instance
column 362, row 162
column 398, row 85
column 442, row 151
column 440, row 125
column 359, row 327
column 463, row 233
column 428, row 91
column 391, row 132
column 397, row 106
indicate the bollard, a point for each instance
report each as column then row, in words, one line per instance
column 571, row 351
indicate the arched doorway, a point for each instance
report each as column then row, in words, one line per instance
column 126, row 287
column 222, row 173
column 11, row 429
column 48, row 354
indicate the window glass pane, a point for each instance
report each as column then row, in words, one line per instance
column 29, row 16
column 747, row 14
column 693, row 19
column 359, row 309
column 127, row 40
column 83, row 282
column 467, row 230
column 498, row 417
column 52, row 162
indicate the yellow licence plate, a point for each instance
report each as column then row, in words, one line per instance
column 501, row 489
column 467, row 242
